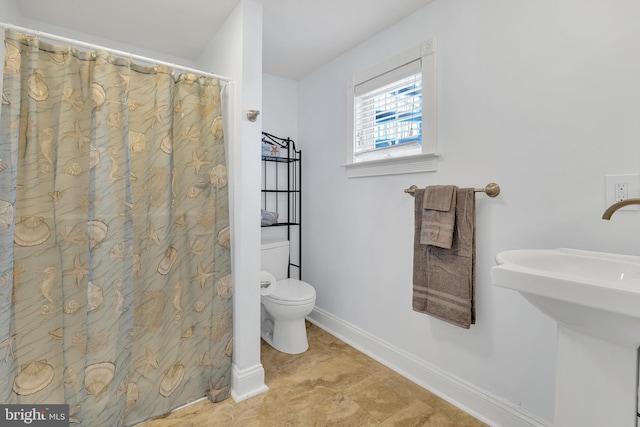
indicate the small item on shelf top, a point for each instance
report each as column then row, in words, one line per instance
column 268, row 218
column 269, row 150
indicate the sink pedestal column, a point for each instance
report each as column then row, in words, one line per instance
column 596, row 382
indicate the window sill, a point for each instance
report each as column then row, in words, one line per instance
column 393, row 166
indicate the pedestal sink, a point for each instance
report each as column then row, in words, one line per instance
column 595, row 298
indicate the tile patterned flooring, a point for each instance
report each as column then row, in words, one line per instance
column 331, row 384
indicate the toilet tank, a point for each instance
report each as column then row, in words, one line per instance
column 274, row 258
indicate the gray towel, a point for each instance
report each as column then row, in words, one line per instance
column 439, row 215
column 444, row 279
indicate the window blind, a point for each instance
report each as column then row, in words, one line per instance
column 388, row 109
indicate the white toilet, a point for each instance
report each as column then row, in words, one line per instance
column 283, row 311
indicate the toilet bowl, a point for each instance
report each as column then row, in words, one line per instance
column 283, row 311
column 283, row 325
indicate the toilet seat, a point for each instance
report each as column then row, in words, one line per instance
column 292, row 292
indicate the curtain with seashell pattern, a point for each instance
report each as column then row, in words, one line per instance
column 115, row 281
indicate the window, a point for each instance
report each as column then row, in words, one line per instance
column 388, row 114
column 392, row 116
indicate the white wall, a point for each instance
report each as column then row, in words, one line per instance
column 9, row 13
column 236, row 51
column 99, row 41
column 280, row 106
column 280, row 118
column 540, row 97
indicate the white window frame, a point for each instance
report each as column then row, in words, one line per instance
column 425, row 161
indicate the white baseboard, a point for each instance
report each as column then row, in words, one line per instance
column 480, row 403
column 247, row 383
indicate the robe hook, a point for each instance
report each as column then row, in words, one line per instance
column 252, row 115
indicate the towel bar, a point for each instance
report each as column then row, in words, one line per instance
column 492, row 189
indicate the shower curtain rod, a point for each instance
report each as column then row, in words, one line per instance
column 129, row 55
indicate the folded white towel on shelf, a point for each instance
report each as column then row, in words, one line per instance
column 268, row 218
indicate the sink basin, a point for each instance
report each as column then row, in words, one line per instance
column 593, row 292
column 595, row 298
column 587, row 266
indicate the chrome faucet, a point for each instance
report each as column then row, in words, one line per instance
column 614, row 207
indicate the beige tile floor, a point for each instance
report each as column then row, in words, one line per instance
column 331, row 384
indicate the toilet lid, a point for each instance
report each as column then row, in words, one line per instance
column 292, row 290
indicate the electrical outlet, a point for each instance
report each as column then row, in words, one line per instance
column 622, row 191
column 622, row 187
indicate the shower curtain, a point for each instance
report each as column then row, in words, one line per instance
column 115, row 273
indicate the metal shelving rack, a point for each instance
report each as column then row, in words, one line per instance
column 281, row 184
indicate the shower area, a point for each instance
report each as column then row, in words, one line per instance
column 118, row 292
